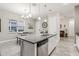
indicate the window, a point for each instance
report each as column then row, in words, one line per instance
column 16, row 26
column 12, row 26
column 20, row 26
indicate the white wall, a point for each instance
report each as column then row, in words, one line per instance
column 52, row 24
column 77, row 25
column 5, row 16
column 32, row 22
column 71, row 27
column 77, row 19
column 64, row 21
column 38, row 25
column 69, row 22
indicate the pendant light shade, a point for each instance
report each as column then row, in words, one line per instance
column 45, row 20
column 39, row 18
column 30, row 15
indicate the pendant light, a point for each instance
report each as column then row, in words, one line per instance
column 45, row 20
column 25, row 13
column 30, row 14
column 45, row 16
column 39, row 18
column 24, row 16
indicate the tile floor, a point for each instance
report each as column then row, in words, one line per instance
column 66, row 47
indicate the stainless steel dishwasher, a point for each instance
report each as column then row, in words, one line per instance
column 42, row 48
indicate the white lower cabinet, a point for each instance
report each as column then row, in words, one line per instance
column 52, row 44
column 77, row 41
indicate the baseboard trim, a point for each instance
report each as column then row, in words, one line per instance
column 52, row 51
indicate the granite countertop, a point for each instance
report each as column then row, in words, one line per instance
column 34, row 38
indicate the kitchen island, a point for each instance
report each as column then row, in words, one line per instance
column 34, row 45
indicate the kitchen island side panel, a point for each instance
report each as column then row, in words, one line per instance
column 28, row 49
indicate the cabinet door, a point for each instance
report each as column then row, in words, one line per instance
column 43, row 50
column 77, row 41
column 51, row 44
column 27, row 49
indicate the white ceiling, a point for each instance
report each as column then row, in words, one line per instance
column 65, row 9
